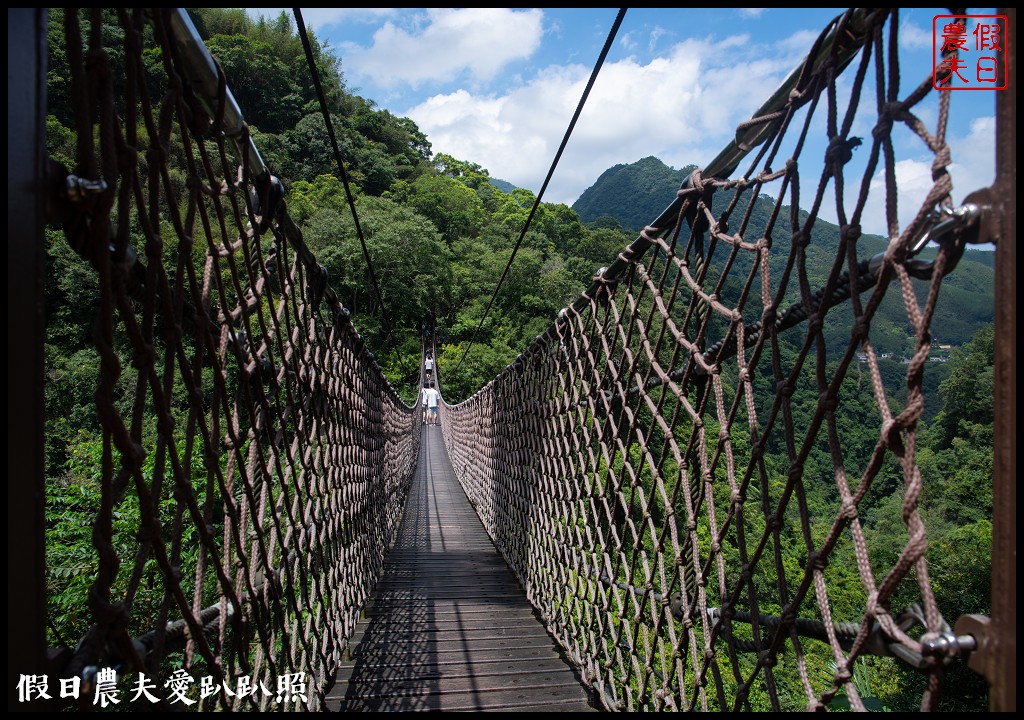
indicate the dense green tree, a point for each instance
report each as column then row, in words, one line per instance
column 280, row 44
column 220, row 21
column 968, row 391
column 326, row 192
column 58, row 73
column 261, row 83
column 409, row 259
column 307, row 150
column 453, row 207
column 514, row 210
column 471, row 173
column 560, row 223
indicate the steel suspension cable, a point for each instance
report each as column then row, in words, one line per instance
column 551, row 171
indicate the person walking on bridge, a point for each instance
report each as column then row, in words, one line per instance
column 430, row 399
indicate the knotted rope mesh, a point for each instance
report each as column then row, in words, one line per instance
column 664, row 468
column 267, row 454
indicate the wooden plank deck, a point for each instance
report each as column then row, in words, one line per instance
column 449, row 627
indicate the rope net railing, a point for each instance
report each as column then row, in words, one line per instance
column 665, row 469
column 245, row 424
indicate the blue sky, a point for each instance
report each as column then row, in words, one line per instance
column 499, row 86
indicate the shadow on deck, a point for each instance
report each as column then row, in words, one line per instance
column 448, row 627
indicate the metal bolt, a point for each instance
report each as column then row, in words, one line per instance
column 79, row 189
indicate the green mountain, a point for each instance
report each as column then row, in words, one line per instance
column 504, row 185
column 634, row 195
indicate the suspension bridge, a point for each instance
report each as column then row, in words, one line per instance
column 604, row 526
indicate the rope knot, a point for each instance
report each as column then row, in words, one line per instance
column 144, row 535
column 156, row 156
column 814, row 324
column 133, row 39
column 629, row 255
column 871, row 607
column 603, row 288
column 840, row 151
column 942, row 160
column 891, row 435
column 649, row 233
column 883, row 128
column 848, row 510
column 144, row 358
column 860, row 329
column 165, row 425
column 694, row 185
column 801, row 238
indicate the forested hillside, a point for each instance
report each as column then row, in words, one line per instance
column 634, row 195
column 440, row 231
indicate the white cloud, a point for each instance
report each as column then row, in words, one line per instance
column 626, row 41
column 656, row 34
column 913, row 37
column 800, row 41
column 913, row 183
column 752, row 12
column 974, row 163
column 446, row 43
column 682, row 108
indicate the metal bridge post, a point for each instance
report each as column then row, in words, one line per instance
column 26, row 258
column 1003, row 660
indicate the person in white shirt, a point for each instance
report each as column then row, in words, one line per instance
column 430, row 398
column 428, row 365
